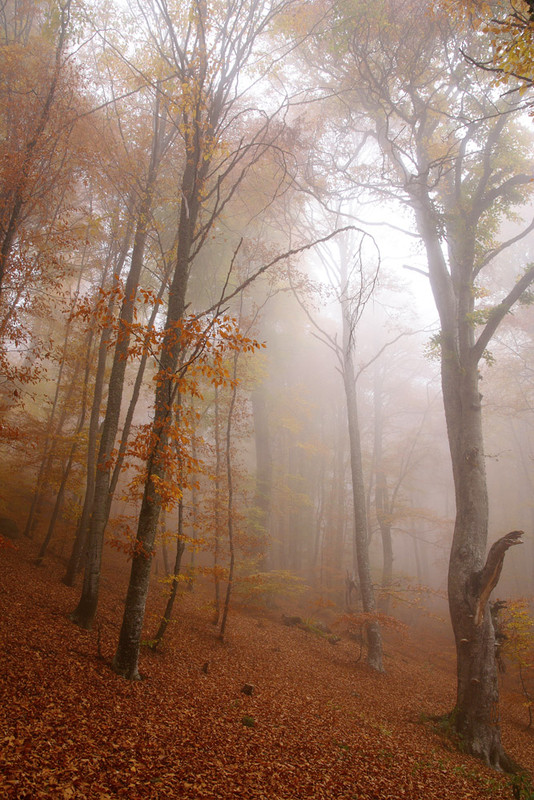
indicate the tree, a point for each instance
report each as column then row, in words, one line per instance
column 355, row 289
column 353, row 282
column 83, row 614
column 208, row 47
column 508, row 27
column 44, row 151
column 454, row 154
column 117, row 251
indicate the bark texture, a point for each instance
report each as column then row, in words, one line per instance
column 412, row 82
column 85, row 611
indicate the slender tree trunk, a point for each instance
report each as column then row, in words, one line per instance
column 362, row 566
column 57, row 506
column 230, row 503
column 361, row 544
column 384, row 521
column 85, row 611
column 194, row 517
column 320, row 542
column 66, row 471
column 80, row 540
column 50, row 433
column 53, row 435
column 167, row 614
column 126, row 658
column 136, row 391
column 382, row 504
column 264, row 469
column 338, row 555
column 217, row 511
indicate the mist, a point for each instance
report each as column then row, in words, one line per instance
column 265, row 322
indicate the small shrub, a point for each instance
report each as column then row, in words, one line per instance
column 516, row 629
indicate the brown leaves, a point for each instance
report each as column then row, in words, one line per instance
column 318, row 725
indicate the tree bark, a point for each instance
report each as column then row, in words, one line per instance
column 180, row 547
column 230, row 503
column 362, row 565
column 85, row 611
column 217, row 510
column 382, row 503
column 475, row 716
column 80, row 540
column 126, row 658
column 68, row 466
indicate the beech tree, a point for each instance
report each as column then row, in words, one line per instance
column 355, row 288
column 455, row 154
column 102, row 495
column 207, row 46
column 352, row 271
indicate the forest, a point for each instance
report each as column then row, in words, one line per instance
column 266, row 447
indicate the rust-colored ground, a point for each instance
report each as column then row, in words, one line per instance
column 318, row 725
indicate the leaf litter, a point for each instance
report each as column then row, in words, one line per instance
column 318, row 723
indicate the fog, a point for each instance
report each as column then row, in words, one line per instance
column 231, row 247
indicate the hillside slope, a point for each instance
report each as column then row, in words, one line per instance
column 318, row 724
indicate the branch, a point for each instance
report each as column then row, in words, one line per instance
column 501, row 191
column 490, row 574
column 383, row 349
column 495, row 252
column 281, row 257
column 500, row 311
column 416, row 269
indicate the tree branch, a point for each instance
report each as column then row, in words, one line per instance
column 500, row 311
column 503, row 246
column 489, row 576
column 281, row 257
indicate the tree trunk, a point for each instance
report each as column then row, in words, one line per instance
column 217, row 512
column 384, row 523
column 78, row 547
column 382, row 503
column 264, row 469
column 362, row 566
column 126, row 658
column 230, row 503
column 53, row 436
column 180, row 547
column 85, row 611
column 66, row 470
column 475, row 716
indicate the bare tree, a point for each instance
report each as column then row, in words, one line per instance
column 353, row 283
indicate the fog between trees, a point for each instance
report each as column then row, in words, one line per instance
column 227, row 231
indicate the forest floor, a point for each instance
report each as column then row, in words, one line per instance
column 318, row 724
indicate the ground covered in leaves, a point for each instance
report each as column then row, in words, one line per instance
column 318, row 724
